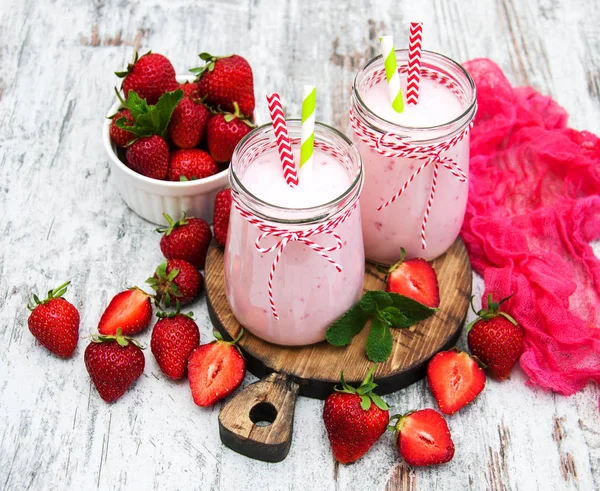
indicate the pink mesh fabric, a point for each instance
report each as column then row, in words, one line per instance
column 534, row 206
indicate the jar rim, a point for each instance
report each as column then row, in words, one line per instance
column 315, row 213
column 470, row 108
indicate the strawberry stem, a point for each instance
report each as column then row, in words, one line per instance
column 172, row 224
column 395, row 266
column 401, row 418
column 121, row 339
column 57, row 292
column 364, row 391
column 493, row 310
column 163, row 315
column 163, row 285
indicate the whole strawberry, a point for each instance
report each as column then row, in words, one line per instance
column 149, row 156
column 114, row 364
column 54, row 322
column 225, row 80
column 221, row 216
column 130, row 311
column 215, row 370
column 188, row 123
column 176, row 280
column 174, row 337
column 191, row 164
column 150, row 76
column 423, row 438
column 188, row 238
column 223, row 133
column 354, row 419
column 190, row 89
column 121, row 136
column 496, row 339
column 148, row 153
column 455, row 380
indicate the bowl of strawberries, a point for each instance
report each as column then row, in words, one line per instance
column 170, row 138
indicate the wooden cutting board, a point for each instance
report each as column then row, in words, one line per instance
column 258, row 420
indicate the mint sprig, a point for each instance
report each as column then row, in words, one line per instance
column 385, row 310
column 149, row 119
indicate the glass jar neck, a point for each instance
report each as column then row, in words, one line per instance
column 435, row 66
column 327, row 139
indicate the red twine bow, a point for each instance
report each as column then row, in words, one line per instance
column 398, row 147
column 286, row 236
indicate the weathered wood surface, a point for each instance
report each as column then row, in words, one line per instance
column 317, row 368
column 61, row 221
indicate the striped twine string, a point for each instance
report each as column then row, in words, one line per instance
column 397, row 147
column 286, row 236
column 391, row 72
column 415, row 41
column 283, row 139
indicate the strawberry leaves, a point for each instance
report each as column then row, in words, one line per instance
column 57, row 292
column 364, row 391
column 209, row 66
column 148, row 119
column 386, row 310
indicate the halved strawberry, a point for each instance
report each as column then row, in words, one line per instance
column 424, row 438
column 416, row 279
column 130, row 311
column 215, row 370
column 455, row 379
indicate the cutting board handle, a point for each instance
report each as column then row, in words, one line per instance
column 258, row 422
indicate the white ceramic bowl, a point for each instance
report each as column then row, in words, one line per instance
column 150, row 198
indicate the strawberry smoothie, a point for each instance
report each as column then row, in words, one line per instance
column 440, row 114
column 308, row 291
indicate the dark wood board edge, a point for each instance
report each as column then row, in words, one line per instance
column 321, row 389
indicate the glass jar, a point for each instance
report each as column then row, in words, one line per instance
column 415, row 191
column 291, row 271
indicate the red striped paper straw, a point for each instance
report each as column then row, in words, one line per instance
column 415, row 41
column 284, row 147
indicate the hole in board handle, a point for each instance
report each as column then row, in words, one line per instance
column 263, row 414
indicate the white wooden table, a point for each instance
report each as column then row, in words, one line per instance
column 62, row 220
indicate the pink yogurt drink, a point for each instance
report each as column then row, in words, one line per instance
column 394, row 146
column 308, row 292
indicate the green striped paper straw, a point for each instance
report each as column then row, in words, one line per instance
column 309, row 103
column 391, row 72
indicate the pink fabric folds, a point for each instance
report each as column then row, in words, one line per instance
column 534, row 206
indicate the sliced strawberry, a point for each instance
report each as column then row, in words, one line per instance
column 424, row 438
column 455, row 379
column 215, row 370
column 130, row 311
column 416, row 279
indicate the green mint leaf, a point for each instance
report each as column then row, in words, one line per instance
column 393, row 316
column 379, row 402
column 136, row 105
column 413, row 310
column 165, row 107
column 365, row 403
column 150, row 120
column 375, row 299
column 379, row 342
column 341, row 332
column 382, row 299
column 367, row 303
